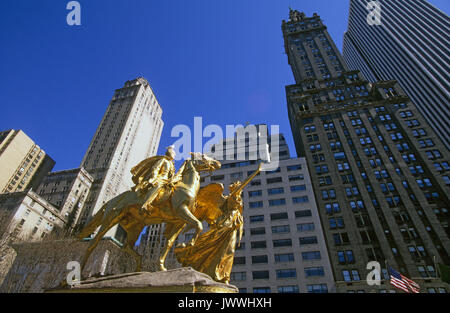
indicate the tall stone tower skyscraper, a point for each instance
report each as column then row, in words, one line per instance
column 412, row 46
column 380, row 173
column 129, row 132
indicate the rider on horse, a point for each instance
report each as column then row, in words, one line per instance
column 152, row 175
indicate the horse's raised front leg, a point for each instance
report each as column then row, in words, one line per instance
column 185, row 214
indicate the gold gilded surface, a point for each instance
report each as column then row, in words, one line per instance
column 213, row 252
column 162, row 196
column 159, row 196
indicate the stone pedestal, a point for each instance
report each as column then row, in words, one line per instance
column 182, row 280
column 38, row 266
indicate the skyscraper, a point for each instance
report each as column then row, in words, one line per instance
column 129, row 132
column 412, row 46
column 380, row 173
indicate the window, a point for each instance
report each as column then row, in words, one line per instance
column 339, row 156
column 239, row 260
column 304, row 213
column 294, row 167
column 355, row 275
column 278, row 170
column 303, row 199
column 286, row 273
column 336, row 223
column 288, row 289
column 324, row 181
column 305, row 227
column 256, row 218
column 298, row 188
column 314, row 271
column 256, row 193
column 238, row 276
column 255, row 182
column 322, row 169
column 261, row 289
column 257, row 204
column 340, row 238
column 284, row 258
column 257, row 231
column 282, row 243
column 259, row 259
column 276, row 202
column 319, row 288
column 343, row 167
column 275, row 191
column 278, row 216
column 274, row 180
column 311, row 255
column 258, row 244
column 236, row 175
column 280, row 229
column 296, row 177
column 308, row 240
column 260, row 275
column 328, row 194
column 346, row 275
column 332, row 207
column 217, row 177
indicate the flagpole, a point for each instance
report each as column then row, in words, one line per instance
column 389, row 274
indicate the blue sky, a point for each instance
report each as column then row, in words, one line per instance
column 220, row 59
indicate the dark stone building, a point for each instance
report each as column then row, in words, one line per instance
column 379, row 172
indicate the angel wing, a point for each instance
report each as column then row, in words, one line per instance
column 208, row 203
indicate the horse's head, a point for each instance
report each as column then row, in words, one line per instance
column 204, row 163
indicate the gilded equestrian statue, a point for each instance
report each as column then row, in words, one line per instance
column 139, row 207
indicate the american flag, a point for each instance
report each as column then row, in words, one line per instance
column 401, row 282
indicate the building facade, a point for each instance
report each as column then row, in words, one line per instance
column 23, row 164
column 282, row 249
column 412, row 46
column 129, row 132
column 67, row 191
column 379, row 172
column 27, row 217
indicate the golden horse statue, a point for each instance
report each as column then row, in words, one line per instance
column 173, row 207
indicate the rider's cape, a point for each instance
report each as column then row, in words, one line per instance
column 144, row 168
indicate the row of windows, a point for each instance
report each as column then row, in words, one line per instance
column 276, row 191
column 280, row 258
column 288, row 273
column 283, row 229
column 316, row 288
column 284, row 242
column 278, row 216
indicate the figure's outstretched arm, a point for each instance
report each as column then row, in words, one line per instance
column 247, row 181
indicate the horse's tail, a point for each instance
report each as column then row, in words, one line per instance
column 93, row 224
